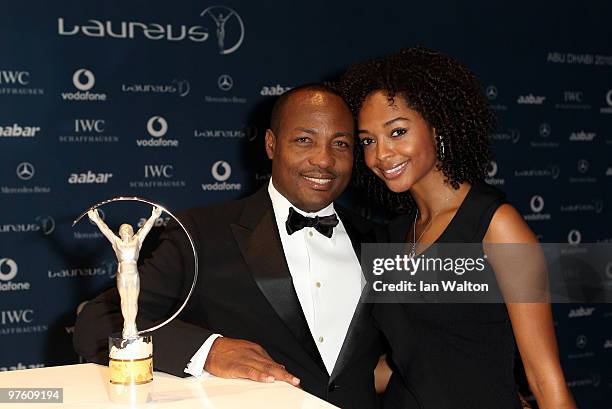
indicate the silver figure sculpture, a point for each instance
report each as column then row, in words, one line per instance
column 127, row 248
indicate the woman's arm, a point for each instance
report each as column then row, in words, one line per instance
column 532, row 322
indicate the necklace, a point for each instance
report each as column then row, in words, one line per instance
column 412, row 252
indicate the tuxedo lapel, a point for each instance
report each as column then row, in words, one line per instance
column 259, row 242
column 359, row 321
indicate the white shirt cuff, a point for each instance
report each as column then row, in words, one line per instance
column 195, row 367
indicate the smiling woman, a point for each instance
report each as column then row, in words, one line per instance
column 423, row 126
column 444, row 99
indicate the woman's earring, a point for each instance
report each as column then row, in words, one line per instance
column 441, row 154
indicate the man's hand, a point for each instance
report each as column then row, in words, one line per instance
column 237, row 358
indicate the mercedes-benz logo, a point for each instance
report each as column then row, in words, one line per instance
column 25, row 171
column 581, row 341
column 583, row 166
column 491, row 92
column 225, row 82
column 221, row 15
column 545, row 130
column 609, row 98
column 86, row 85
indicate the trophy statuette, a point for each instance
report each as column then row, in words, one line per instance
column 131, row 351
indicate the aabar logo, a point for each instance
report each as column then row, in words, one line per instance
column 19, row 131
column 530, row 100
column 89, row 177
column 581, row 312
column 582, row 136
column 273, row 90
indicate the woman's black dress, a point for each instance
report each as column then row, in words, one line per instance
column 458, row 356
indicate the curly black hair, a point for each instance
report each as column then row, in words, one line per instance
column 446, row 94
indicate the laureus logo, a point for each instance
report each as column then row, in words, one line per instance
column 228, row 27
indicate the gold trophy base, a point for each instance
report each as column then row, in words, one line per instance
column 130, row 370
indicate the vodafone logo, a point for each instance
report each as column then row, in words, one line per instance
column 221, row 171
column 8, row 269
column 157, row 126
column 574, row 237
column 83, row 79
column 537, row 204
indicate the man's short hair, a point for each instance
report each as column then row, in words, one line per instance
column 281, row 102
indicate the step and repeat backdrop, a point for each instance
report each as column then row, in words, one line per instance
column 170, row 100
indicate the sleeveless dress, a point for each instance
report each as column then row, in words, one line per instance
column 451, row 356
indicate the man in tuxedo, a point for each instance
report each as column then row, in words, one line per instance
column 278, row 294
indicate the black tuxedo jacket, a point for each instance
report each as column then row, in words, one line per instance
column 244, row 291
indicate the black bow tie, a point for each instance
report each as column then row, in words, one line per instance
column 324, row 225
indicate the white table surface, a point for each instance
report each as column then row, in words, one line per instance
column 85, row 386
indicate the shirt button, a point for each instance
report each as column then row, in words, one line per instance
column 320, row 339
column 310, row 233
column 318, row 284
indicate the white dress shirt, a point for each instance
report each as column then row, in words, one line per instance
column 326, row 276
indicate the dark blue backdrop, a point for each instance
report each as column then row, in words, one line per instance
column 155, row 99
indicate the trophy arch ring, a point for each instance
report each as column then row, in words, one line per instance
column 193, row 249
